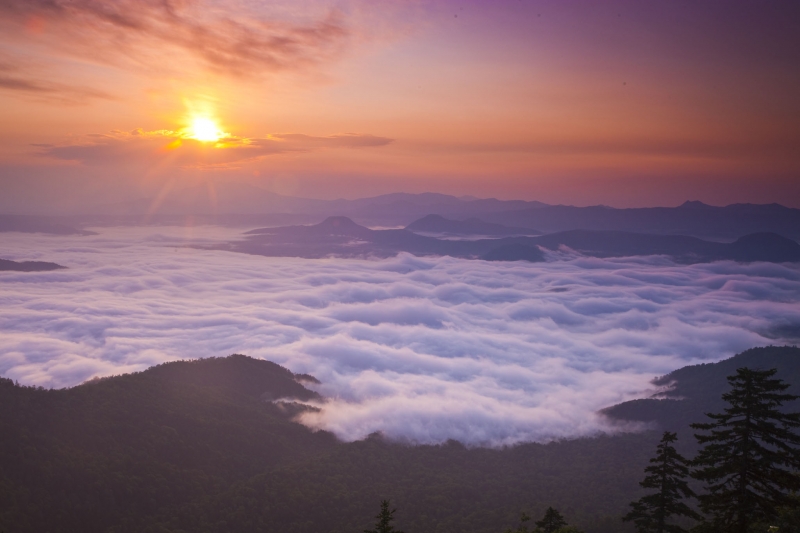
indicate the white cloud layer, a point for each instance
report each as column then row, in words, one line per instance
column 422, row 349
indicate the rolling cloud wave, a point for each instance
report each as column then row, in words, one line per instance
column 421, row 349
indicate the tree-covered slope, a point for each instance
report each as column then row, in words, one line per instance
column 446, row 488
column 198, row 446
column 126, row 448
column 194, row 446
column 691, row 391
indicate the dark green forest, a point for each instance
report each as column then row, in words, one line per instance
column 197, row 446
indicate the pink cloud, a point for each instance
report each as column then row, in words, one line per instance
column 17, row 76
column 152, row 32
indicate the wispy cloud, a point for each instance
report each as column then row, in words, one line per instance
column 340, row 140
column 22, row 79
column 423, row 349
column 169, row 148
column 161, row 34
column 638, row 147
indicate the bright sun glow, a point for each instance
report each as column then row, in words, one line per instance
column 205, row 129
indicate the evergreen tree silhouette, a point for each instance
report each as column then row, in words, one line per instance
column 551, row 521
column 523, row 526
column 667, row 475
column 383, row 520
column 749, row 454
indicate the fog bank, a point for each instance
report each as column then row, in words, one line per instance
column 421, row 349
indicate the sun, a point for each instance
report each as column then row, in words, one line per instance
column 204, row 129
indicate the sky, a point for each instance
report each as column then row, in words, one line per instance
column 623, row 103
column 421, row 349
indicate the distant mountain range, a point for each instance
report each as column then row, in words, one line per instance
column 239, row 204
column 242, row 199
column 340, row 236
column 437, row 225
column 400, row 209
column 690, row 218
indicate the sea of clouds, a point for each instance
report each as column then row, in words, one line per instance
column 421, row 349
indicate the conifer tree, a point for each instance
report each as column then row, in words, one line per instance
column 383, row 520
column 667, row 475
column 749, row 454
column 551, row 522
column 523, row 526
column 788, row 520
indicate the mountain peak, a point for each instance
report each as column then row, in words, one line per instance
column 765, row 246
column 427, row 220
column 471, row 226
column 340, row 226
column 339, row 222
column 239, row 373
column 694, row 204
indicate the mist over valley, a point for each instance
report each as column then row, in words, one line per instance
column 422, row 348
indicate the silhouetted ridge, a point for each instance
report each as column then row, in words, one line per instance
column 773, row 208
column 237, row 373
column 621, row 243
column 118, row 453
column 515, row 252
column 331, row 226
column 300, row 378
column 191, row 446
column 691, row 391
column 694, row 204
column 28, row 266
column 471, row 226
column 340, row 226
column 246, row 205
column 429, row 221
column 691, row 218
column 342, row 237
column 765, row 247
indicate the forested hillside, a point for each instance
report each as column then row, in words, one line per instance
column 127, row 448
column 199, row 446
column 691, row 391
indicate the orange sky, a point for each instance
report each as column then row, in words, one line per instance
column 620, row 103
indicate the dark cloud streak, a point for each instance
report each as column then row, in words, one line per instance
column 149, row 148
column 341, row 140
